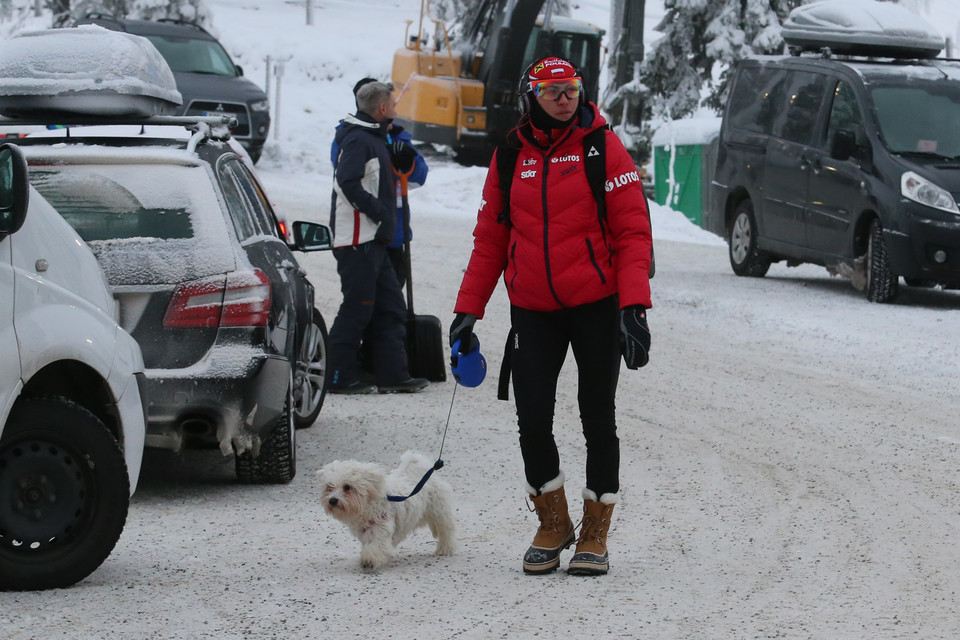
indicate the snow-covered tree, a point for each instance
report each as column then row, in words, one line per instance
column 194, row 11
column 702, row 40
column 65, row 11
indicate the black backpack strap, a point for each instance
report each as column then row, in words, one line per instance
column 503, row 386
column 594, row 163
column 506, row 155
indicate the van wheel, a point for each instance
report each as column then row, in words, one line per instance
column 277, row 462
column 312, row 379
column 745, row 258
column 64, row 494
column 881, row 281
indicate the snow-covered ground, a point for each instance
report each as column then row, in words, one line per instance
column 790, row 455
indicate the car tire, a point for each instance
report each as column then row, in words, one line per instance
column 882, row 283
column 277, row 461
column 64, row 494
column 312, row 378
column 745, row 257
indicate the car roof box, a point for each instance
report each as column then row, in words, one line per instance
column 86, row 71
column 861, row 27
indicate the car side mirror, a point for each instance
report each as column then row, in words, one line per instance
column 844, row 144
column 309, row 236
column 14, row 189
column 239, row 69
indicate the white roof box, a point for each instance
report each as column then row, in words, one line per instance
column 862, row 27
column 84, row 71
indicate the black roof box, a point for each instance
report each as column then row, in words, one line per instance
column 862, row 28
column 85, row 70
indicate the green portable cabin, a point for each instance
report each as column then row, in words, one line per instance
column 689, row 148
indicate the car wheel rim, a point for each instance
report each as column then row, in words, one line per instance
column 740, row 238
column 45, row 494
column 311, row 375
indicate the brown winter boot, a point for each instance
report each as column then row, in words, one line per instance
column 590, row 558
column 556, row 530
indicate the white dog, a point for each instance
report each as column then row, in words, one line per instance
column 355, row 493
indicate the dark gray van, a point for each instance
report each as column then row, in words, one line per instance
column 848, row 162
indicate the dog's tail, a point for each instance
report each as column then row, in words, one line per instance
column 415, row 460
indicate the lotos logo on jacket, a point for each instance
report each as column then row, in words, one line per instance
column 621, row 180
column 565, row 159
column 532, row 173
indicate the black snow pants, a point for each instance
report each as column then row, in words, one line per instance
column 540, row 343
column 372, row 307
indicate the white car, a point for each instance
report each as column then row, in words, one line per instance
column 72, row 422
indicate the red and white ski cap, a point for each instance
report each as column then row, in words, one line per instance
column 552, row 68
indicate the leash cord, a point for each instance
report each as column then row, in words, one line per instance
column 439, row 463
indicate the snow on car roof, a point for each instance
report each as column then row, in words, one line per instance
column 87, row 70
column 862, row 27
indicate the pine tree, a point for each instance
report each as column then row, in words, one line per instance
column 65, row 11
column 194, row 11
column 698, row 36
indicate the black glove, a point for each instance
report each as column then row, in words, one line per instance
column 462, row 330
column 634, row 336
column 403, row 155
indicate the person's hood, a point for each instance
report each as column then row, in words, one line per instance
column 360, row 120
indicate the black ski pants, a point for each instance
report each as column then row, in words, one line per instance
column 540, row 343
column 372, row 306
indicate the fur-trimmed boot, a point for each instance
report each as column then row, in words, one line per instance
column 590, row 558
column 556, row 531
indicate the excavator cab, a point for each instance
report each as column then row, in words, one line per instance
column 463, row 94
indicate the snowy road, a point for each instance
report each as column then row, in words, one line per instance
column 790, row 470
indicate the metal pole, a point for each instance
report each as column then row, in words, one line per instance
column 278, row 69
column 309, row 4
column 266, row 84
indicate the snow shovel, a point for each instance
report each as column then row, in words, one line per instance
column 425, row 355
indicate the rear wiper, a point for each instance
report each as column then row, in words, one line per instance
column 925, row 154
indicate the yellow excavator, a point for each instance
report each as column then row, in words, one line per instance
column 463, row 93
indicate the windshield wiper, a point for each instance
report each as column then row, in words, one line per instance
column 925, row 154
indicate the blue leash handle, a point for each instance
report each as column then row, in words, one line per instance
column 436, row 465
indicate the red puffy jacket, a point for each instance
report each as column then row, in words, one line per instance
column 554, row 253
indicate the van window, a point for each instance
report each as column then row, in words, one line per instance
column 757, row 99
column 804, row 96
column 845, row 114
column 921, row 118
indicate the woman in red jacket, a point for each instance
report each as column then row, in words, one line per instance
column 575, row 279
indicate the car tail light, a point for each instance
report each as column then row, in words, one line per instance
column 235, row 300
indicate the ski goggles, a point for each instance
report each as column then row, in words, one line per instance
column 553, row 89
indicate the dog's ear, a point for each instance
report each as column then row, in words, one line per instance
column 370, row 480
column 325, row 473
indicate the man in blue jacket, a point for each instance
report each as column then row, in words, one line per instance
column 395, row 134
column 363, row 218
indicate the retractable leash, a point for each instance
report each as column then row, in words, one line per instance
column 469, row 370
